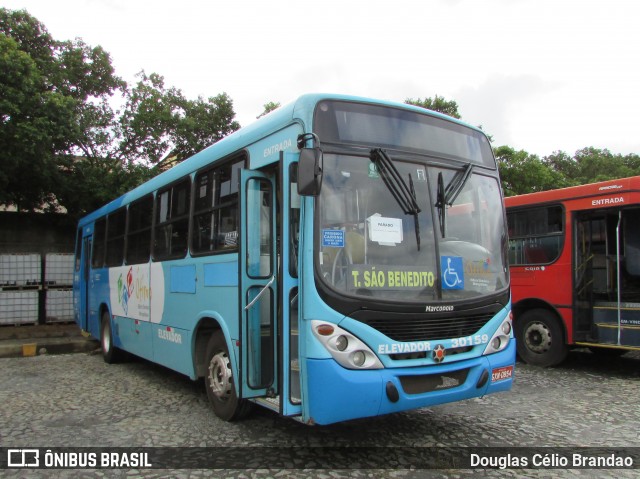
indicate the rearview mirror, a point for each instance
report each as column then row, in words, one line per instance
column 310, row 172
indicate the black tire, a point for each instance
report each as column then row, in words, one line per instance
column 110, row 353
column 219, row 381
column 539, row 338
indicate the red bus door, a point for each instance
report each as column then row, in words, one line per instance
column 607, row 279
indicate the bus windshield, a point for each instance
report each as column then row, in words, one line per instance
column 370, row 246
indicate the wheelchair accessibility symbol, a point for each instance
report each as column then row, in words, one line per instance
column 452, row 272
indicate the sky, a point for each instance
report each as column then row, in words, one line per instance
column 538, row 75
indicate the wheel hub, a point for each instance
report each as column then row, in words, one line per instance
column 538, row 338
column 220, row 379
column 106, row 338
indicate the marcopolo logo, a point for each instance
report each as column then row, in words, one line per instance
column 439, row 309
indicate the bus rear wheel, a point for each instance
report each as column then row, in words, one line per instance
column 110, row 353
column 219, row 381
column 539, row 338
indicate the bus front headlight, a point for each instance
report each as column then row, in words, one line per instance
column 502, row 336
column 344, row 347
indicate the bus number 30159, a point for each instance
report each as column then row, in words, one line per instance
column 470, row 341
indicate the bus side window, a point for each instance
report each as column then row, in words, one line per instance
column 116, row 222
column 535, row 235
column 172, row 221
column 139, row 231
column 215, row 212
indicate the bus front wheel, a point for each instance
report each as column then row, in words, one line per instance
column 539, row 338
column 219, row 381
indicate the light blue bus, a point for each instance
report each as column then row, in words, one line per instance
column 340, row 258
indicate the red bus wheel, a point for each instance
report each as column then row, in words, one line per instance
column 539, row 338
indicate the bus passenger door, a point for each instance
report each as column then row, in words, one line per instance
column 83, row 284
column 289, row 224
column 583, row 255
column 258, row 285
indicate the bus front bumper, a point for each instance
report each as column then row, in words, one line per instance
column 339, row 394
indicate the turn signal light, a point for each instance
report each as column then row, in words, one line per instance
column 325, row 330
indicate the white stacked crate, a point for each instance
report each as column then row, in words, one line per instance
column 20, row 270
column 59, row 306
column 58, row 269
column 19, row 307
column 20, row 281
column 58, row 280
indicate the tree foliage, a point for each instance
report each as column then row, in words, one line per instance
column 60, row 137
column 34, row 123
column 437, row 103
column 158, row 122
column 524, row 173
column 269, row 107
column 52, row 100
column 91, row 182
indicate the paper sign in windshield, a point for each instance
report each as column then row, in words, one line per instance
column 333, row 238
column 386, row 231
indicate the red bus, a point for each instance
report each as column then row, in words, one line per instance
column 574, row 258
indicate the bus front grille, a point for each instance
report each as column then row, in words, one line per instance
column 428, row 329
column 433, row 382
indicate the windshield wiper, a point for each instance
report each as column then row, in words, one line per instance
column 403, row 194
column 456, row 184
column 446, row 196
column 441, row 205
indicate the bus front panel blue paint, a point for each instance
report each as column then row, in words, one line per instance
column 337, row 394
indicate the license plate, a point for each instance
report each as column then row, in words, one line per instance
column 500, row 374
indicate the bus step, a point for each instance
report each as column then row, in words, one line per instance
column 607, row 313
column 608, row 334
column 269, row 403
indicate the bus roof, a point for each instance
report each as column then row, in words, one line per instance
column 299, row 111
column 582, row 192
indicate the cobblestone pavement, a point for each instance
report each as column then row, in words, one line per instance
column 78, row 400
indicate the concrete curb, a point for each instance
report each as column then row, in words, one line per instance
column 34, row 340
column 14, row 348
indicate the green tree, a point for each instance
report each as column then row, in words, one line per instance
column 160, row 124
column 600, row 165
column 438, row 103
column 563, row 164
column 590, row 165
column 522, row 172
column 62, row 143
column 151, row 113
column 89, row 182
column 268, row 108
column 203, row 123
column 53, row 99
column 36, row 122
